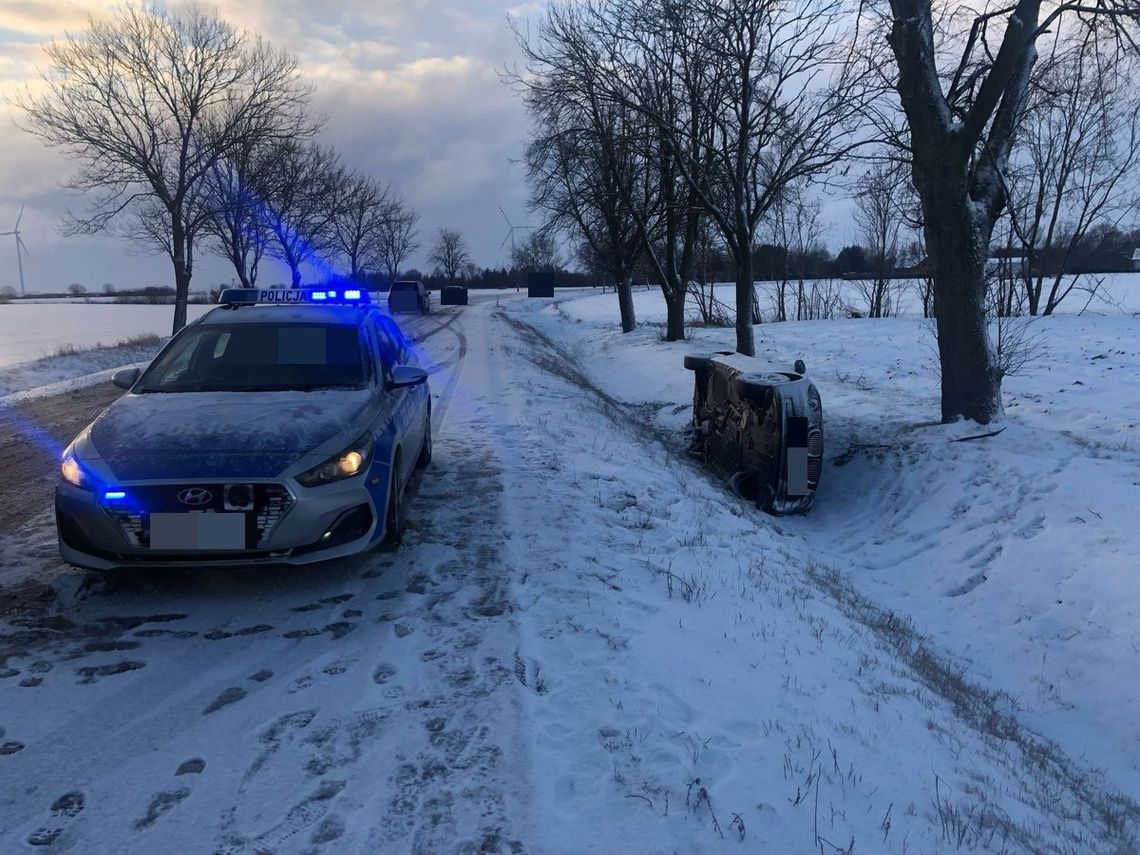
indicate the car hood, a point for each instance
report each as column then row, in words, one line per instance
column 224, row 424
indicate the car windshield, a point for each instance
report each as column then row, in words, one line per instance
column 403, row 286
column 259, row 358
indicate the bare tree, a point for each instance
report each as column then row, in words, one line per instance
column 803, row 233
column 709, row 258
column 397, row 236
column 769, row 99
column 582, row 171
column 538, row 253
column 235, row 226
column 358, row 215
column 298, row 187
column 961, row 121
column 602, row 70
column 450, row 253
column 148, row 103
column 1076, row 162
column 877, row 216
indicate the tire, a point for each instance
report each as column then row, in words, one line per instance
column 394, row 511
column 426, row 449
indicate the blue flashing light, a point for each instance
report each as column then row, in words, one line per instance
column 293, row 296
column 114, row 495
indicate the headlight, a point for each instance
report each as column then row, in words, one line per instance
column 352, row 461
column 71, row 471
column 814, row 404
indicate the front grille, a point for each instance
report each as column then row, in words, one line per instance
column 815, row 444
column 270, row 502
column 813, row 468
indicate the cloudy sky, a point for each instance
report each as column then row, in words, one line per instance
column 410, row 89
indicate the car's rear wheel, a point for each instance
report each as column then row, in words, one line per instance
column 425, row 450
column 394, row 513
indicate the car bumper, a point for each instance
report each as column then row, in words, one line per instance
column 312, row 525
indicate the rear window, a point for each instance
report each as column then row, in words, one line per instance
column 404, row 286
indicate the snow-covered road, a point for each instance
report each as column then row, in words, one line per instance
column 583, row 646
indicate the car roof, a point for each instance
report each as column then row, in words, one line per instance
column 287, row 314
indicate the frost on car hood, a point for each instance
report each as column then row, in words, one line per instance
column 220, row 423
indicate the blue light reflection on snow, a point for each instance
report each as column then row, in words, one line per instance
column 32, row 432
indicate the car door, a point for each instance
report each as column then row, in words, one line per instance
column 407, row 423
column 385, row 425
column 421, row 394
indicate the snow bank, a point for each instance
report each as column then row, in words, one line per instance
column 55, row 374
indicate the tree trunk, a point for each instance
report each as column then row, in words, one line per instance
column 674, row 315
column 239, row 266
column 745, row 343
column 179, row 244
column 958, row 247
column 625, row 303
column 1033, row 295
column 295, row 272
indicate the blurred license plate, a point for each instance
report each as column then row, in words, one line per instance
column 197, row 531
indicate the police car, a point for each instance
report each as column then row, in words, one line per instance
column 279, row 428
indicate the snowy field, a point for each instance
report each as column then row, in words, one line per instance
column 1102, row 293
column 30, row 331
column 587, row 645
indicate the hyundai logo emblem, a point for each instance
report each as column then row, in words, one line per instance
column 195, row 496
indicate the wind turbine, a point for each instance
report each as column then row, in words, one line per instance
column 511, row 234
column 19, row 247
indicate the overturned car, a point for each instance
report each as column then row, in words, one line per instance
column 761, row 425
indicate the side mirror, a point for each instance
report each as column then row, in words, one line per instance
column 799, row 367
column 404, row 376
column 125, row 378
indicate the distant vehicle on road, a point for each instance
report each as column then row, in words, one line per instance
column 260, row 434
column 453, row 295
column 407, row 295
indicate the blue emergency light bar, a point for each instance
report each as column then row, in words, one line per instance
column 314, row 296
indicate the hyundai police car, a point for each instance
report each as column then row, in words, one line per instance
column 280, row 427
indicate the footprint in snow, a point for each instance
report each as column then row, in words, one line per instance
column 63, row 810
column 160, row 804
column 219, row 634
column 230, row 696
column 329, row 830
column 339, row 667
column 967, row 586
column 191, row 767
column 300, row 684
column 383, row 673
column 92, row 673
